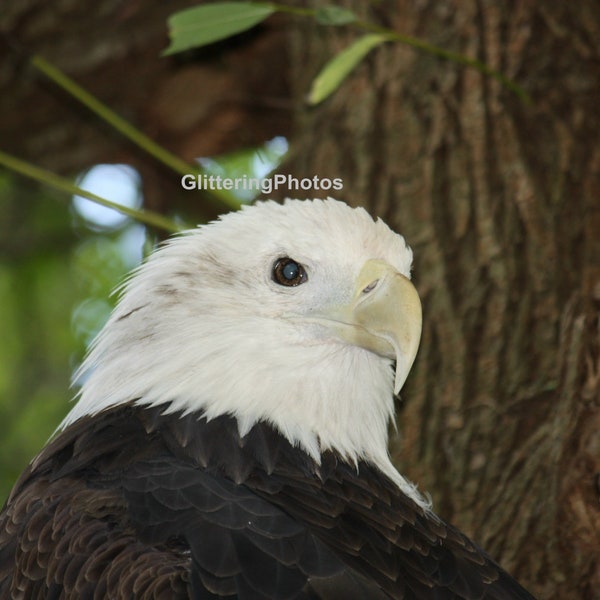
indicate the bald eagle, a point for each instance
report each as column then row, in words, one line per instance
column 230, row 437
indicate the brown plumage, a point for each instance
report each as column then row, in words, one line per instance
column 135, row 504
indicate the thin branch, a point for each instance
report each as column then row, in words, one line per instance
column 64, row 185
column 126, row 129
column 393, row 35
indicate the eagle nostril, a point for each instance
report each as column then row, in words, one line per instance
column 371, row 286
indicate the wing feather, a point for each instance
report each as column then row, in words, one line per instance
column 138, row 504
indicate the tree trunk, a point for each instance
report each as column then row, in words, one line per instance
column 499, row 199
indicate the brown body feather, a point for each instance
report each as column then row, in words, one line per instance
column 135, row 504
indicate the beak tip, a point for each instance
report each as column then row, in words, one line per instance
column 398, row 383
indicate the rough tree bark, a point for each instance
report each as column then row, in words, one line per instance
column 500, row 202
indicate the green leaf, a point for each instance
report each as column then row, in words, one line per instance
column 335, row 15
column 341, row 65
column 210, row 23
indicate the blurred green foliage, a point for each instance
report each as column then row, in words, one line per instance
column 56, row 276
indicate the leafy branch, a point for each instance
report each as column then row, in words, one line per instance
column 202, row 25
column 206, row 24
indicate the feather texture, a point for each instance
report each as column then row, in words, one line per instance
column 202, row 327
column 133, row 503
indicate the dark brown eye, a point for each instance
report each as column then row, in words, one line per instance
column 286, row 271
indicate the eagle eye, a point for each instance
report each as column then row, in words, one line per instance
column 286, row 271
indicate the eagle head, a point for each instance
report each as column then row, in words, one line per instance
column 293, row 314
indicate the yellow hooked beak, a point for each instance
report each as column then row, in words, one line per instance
column 384, row 316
